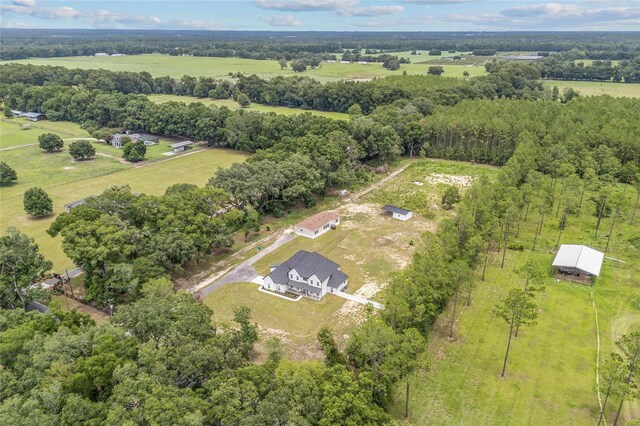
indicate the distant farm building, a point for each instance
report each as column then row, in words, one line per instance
column 16, row 112
column 317, row 224
column 181, row 146
column 101, row 54
column 32, row 116
column 118, row 54
column 397, row 212
column 307, row 274
column 581, row 263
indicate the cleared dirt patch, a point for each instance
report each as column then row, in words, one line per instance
column 457, row 180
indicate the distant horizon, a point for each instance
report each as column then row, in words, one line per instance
column 301, row 31
column 326, row 15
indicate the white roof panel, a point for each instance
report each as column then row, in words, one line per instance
column 581, row 257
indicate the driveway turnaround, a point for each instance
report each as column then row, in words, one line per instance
column 358, row 299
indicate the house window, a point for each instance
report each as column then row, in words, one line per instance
column 315, row 232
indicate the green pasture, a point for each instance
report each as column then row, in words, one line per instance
column 177, row 66
column 596, row 88
column 12, row 135
column 233, row 105
column 550, row 376
column 66, row 180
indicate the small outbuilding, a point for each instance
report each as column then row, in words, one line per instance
column 317, row 224
column 72, row 205
column 397, row 212
column 581, row 263
column 181, row 146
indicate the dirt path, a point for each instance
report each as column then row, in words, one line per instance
column 17, row 146
column 376, row 185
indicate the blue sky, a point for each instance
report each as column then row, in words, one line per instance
column 326, row 15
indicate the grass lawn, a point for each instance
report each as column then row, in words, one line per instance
column 177, row 66
column 595, row 88
column 65, row 181
column 550, row 376
column 233, row 105
column 12, row 135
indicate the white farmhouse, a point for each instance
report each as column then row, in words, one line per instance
column 307, row 274
column 317, row 224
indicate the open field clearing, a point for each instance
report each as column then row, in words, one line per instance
column 66, row 180
column 233, row 105
column 12, row 135
column 595, row 88
column 177, row 66
column 550, row 377
column 366, row 244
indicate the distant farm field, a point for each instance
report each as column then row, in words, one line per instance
column 66, row 180
column 595, row 88
column 177, row 66
column 233, row 105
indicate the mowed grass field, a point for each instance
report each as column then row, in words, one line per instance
column 233, row 105
column 177, row 66
column 66, row 180
column 595, row 88
column 550, row 377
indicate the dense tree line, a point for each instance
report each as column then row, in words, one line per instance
column 122, row 240
column 594, row 132
column 17, row 44
column 507, row 79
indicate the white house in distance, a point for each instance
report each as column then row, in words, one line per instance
column 317, row 224
column 397, row 212
column 307, row 274
column 576, row 260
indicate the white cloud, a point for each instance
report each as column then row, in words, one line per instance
column 436, row 2
column 18, row 25
column 281, row 21
column 371, row 11
column 553, row 15
column 304, row 5
column 101, row 18
column 24, row 3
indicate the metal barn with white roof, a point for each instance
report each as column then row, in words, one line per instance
column 578, row 260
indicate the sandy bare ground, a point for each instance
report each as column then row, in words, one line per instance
column 457, row 180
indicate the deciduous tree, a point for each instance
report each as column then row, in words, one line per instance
column 7, row 174
column 50, row 142
column 21, row 264
column 37, row 203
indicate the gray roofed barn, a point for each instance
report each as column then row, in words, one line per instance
column 397, row 212
column 307, row 273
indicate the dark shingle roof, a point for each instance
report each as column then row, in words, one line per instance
column 394, row 209
column 337, row 278
column 307, row 264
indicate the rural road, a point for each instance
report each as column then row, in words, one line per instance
column 244, row 272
